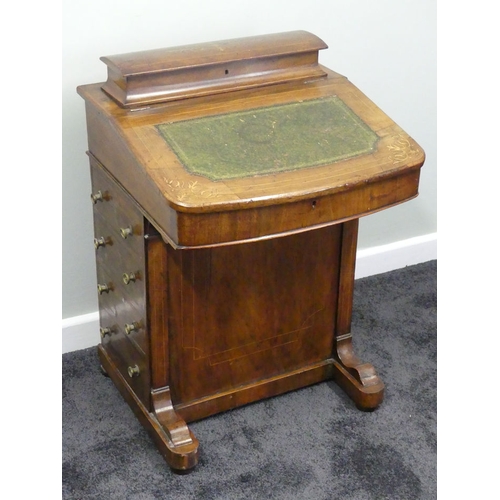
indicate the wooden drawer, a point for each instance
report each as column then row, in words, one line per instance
column 111, row 200
column 109, row 242
column 118, row 224
column 131, row 362
column 123, row 312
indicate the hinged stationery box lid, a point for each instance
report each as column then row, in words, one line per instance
column 161, row 75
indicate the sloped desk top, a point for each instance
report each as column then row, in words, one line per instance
column 257, row 162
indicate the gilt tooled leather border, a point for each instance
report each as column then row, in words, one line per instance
column 269, row 140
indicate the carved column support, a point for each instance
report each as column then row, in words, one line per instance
column 176, row 442
column 359, row 380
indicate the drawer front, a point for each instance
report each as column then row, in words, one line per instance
column 121, row 285
column 132, row 364
column 118, row 224
column 122, row 311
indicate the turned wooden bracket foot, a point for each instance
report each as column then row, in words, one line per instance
column 176, row 443
column 359, row 380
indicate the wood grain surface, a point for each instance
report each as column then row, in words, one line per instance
column 226, row 274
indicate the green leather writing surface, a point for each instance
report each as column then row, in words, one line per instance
column 269, row 140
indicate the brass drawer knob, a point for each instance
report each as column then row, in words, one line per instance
column 128, row 277
column 133, row 371
column 126, row 231
column 130, row 327
column 102, row 288
column 99, row 242
column 95, row 197
column 104, row 331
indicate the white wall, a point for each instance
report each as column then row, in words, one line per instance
column 387, row 48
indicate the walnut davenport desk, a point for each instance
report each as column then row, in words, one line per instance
column 228, row 179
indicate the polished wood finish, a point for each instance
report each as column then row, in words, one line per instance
column 162, row 75
column 134, row 351
column 358, row 379
column 218, row 292
column 122, row 307
column 181, row 457
column 190, row 210
column 234, row 325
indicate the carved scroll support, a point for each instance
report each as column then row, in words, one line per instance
column 174, row 440
column 181, row 447
column 359, row 380
column 176, row 429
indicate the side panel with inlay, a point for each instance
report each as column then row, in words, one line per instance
column 249, row 312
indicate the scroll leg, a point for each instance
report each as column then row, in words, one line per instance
column 182, row 445
column 359, row 380
column 174, row 440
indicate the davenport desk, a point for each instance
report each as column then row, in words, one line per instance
column 228, row 179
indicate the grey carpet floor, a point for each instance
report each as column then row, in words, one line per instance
column 309, row 444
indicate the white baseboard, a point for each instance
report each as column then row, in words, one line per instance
column 81, row 332
column 384, row 258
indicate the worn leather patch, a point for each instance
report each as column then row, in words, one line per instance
column 269, row 140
